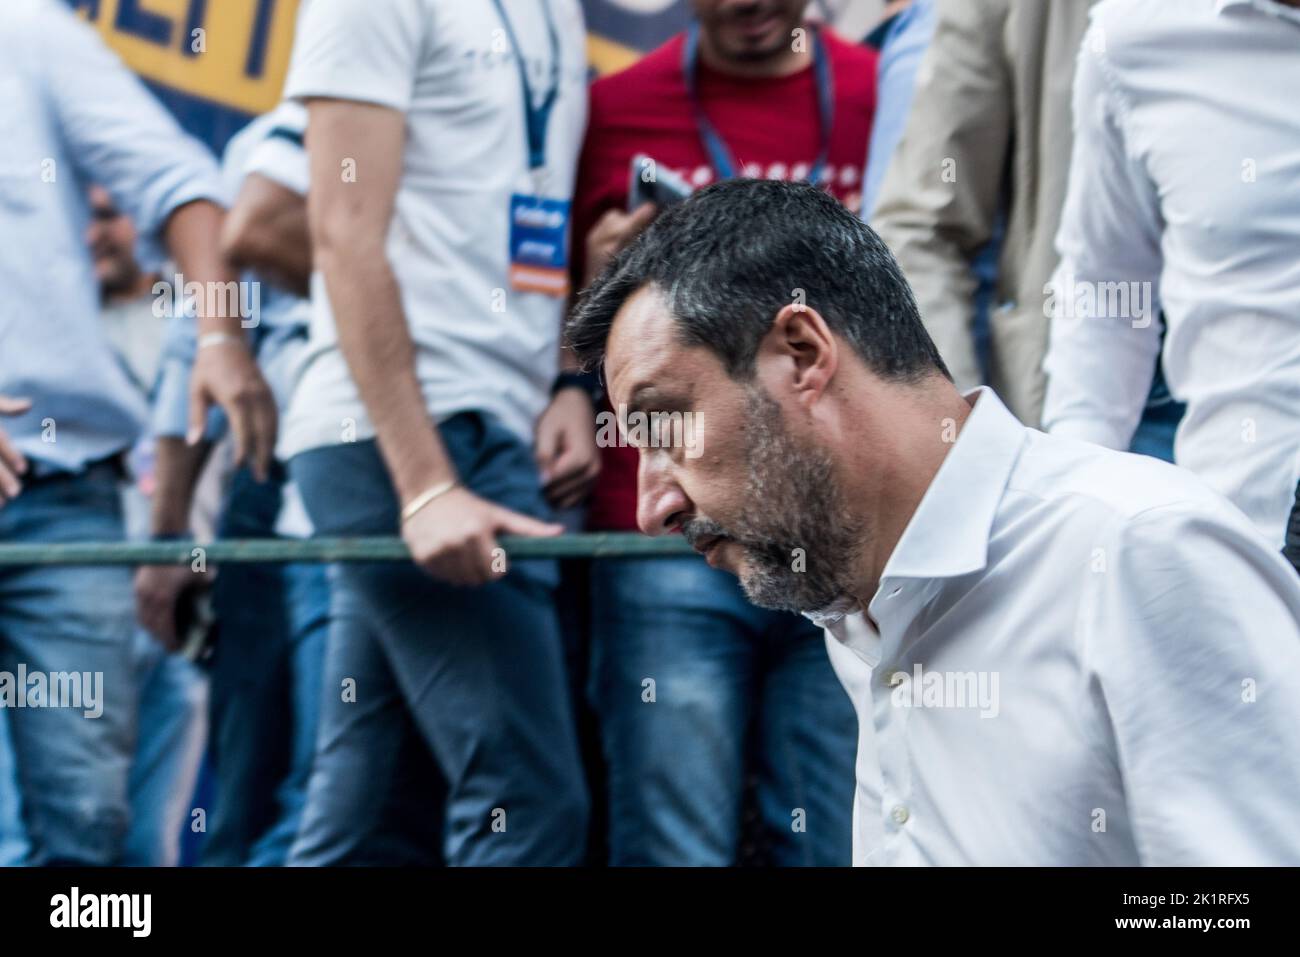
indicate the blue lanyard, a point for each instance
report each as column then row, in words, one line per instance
column 720, row 156
column 536, row 118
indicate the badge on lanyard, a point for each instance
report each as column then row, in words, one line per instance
column 539, row 227
column 539, row 231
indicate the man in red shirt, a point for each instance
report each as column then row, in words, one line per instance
column 695, row 689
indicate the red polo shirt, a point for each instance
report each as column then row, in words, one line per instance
column 773, row 129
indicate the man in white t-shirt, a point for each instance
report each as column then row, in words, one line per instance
column 443, row 138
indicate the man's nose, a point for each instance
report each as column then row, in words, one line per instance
column 660, row 501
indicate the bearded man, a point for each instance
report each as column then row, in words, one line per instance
column 1143, row 639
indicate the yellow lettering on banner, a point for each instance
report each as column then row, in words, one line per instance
column 608, row 56
column 239, row 60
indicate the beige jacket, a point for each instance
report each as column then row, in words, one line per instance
column 991, row 113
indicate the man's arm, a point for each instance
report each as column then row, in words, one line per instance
column 177, row 466
column 1103, row 303
column 939, row 199
column 1191, row 637
column 121, row 137
column 454, row 536
column 13, row 464
column 224, row 372
column 267, row 231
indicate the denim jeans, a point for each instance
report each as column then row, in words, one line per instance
column 695, row 689
column 173, row 729
column 473, row 677
column 267, row 668
column 72, row 769
column 13, row 834
column 1159, row 423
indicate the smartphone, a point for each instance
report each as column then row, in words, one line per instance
column 194, row 622
column 652, row 182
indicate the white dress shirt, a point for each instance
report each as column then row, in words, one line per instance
column 1185, row 187
column 72, row 114
column 1109, row 667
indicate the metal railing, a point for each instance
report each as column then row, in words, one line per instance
column 316, row 550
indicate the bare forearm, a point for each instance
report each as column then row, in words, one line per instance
column 192, row 235
column 280, row 251
column 377, row 346
column 267, row 230
column 176, row 470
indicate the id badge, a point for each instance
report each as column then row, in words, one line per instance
column 539, row 252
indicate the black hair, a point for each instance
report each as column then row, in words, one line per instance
column 731, row 256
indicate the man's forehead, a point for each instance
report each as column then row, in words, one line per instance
column 642, row 343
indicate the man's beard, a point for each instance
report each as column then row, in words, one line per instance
column 800, row 541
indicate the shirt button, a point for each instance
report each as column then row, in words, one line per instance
column 894, row 678
column 899, row 814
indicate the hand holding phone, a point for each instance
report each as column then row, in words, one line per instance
column 651, row 182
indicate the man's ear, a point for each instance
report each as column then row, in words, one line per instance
column 799, row 354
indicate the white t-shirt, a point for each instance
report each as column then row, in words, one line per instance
column 448, row 65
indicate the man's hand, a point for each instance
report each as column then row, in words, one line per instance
column 12, row 462
column 453, row 538
column 226, row 375
column 566, row 452
column 612, row 232
column 158, row 589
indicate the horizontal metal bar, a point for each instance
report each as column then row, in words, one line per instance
column 587, row 545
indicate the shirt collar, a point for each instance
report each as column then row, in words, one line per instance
column 948, row 534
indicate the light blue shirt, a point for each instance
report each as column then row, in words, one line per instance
column 901, row 53
column 71, row 114
column 904, row 45
column 271, row 146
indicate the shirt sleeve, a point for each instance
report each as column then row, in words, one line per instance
column 366, row 51
column 1192, row 644
column 118, row 134
column 900, row 58
column 1103, row 298
column 279, row 155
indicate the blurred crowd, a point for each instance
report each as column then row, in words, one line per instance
column 351, row 325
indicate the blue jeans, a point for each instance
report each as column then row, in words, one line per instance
column 13, row 835
column 695, row 689
column 267, row 668
column 169, row 749
column 473, row 677
column 1159, row 423
column 72, row 769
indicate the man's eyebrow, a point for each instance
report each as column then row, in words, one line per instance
column 649, row 397
column 642, row 396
